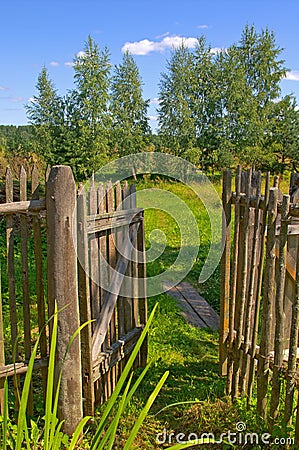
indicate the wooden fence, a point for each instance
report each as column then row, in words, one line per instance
column 84, row 250
column 260, row 295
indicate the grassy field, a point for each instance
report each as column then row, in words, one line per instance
column 193, row 397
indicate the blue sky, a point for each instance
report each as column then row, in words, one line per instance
column 37, row 33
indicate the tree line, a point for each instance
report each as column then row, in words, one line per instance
column 216, row 109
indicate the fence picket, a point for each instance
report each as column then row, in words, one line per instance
column 25, row 284
column 266, row 344
column 279, row 312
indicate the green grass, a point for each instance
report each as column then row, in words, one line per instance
column 193, row 386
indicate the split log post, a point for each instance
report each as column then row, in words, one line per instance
column 268, row 307
column 62, row 288
column 279, row 313
column 225, row 271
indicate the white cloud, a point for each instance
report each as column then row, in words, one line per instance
column 54, row 64
column 145, row 46
column 80, row 54
column 155, row 101
column 216, row 50
column 3, row 88
column 292, row 75
column 152, row 117
column 202, row 26
column 69, row 64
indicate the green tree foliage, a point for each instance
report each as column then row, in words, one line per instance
column 176, row 113
column 130, row 128
column 224, row 107
column 87, row 109
column 46, row 113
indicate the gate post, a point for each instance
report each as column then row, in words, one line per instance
column 62, row 287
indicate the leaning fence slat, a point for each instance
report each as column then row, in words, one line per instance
column 2, row 351
column 25, row 283
column 11, row 281
column 259, row 290
column 279, row 313
column 225, row 272
column 84, row 302
column 252, row 284
column 10, row 265
column 142, row 287
column 243, row 291
column 127, row 285
column 233, row 286
column 93, row 254
column 112, row 376
column 119, row 238
column 292, row 361
column 268, row 303
column 38, row 255
column 103, row 386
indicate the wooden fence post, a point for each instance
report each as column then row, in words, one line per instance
column 62, row 287
column 225, row 272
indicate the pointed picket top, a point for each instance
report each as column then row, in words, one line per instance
column 9, row 185
column 23, row 184
column 35, row 182
column 92, row 197
column 133, row 196
column 48, row 170
column 101, row 198
column 118, row 195
column 110, row 196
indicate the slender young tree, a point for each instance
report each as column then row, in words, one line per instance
column 130, row 128
column 46, row 112
column 88, row 113
column 176, row 113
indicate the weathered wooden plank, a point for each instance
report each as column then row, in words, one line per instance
column 2, row 350
column 242, row 280
column 279, row 313
column 266, row 343
column 259, row 290
column 143, row 310
column 252, row 280
column 84, row 302
column 23, row 207
column 187, row 311
column 225, row 272
column 38, row 256
column 11, row 279
column 62, row 287
column 200, row 306
column 20, row 368
column 233, row 285
column 93, row 254
column 102, row 388
column 112, row 376
column 116, row 353
column 25, row 283
column 290, row 387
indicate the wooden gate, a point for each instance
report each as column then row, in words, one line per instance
column 260, row 294
column 95, row 259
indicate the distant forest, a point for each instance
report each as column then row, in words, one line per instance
column 215, row 108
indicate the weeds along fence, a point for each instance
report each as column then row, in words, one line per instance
column 260, row 294
column 85, row 250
